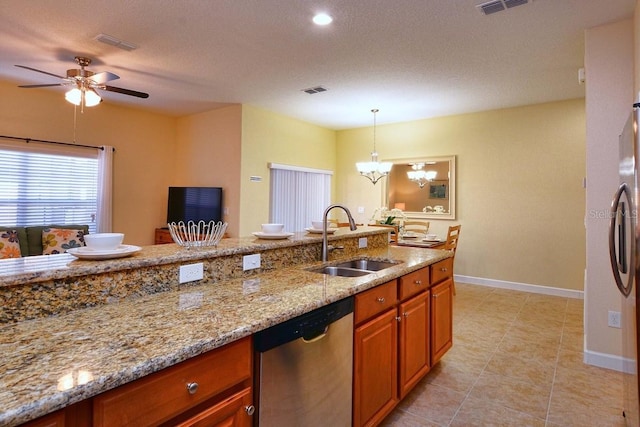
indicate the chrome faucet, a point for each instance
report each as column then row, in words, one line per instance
column 352, row 226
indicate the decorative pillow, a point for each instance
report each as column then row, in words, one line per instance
column 58, row 240
column 9, row 244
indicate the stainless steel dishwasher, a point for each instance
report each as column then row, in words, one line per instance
column 305, row 369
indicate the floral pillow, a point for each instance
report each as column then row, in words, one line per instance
column 9, row 244
column 58, row 240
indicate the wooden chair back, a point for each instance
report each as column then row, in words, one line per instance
column 452, row 244
column 452, row 238
column 417, row 225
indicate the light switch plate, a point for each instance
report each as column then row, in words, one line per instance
column 249, row 262
column 362, row 242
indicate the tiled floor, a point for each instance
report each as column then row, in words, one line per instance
column 516, row 361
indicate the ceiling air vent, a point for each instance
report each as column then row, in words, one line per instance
column 313, row 90
column 107, row 39
column 499, row 5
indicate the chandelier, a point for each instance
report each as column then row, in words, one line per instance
column 421, row 176
column 374, row 170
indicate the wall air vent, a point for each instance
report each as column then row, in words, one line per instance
column 313, row 90
column 494, row 6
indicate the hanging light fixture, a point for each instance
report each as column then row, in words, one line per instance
column 83, row 95
column 421, row 176
column 374, row 170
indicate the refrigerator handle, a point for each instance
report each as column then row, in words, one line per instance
column 620, row 267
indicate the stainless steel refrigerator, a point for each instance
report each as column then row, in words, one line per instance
column 624, row 250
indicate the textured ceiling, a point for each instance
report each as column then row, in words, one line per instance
column 412, row 59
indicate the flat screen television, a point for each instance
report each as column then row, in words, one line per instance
column 194, row 204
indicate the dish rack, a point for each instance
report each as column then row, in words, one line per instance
column 197, row 235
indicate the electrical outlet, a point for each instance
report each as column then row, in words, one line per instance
column 362, row 242
column 249, row 262
column 191, row 272
column 614, row 319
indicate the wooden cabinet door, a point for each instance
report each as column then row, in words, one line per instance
column 441, row 319
column 414, row 341
column 375, row 369
column 234, row 411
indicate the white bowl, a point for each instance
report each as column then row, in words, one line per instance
column 103, row 241
column 431, row 237
column 317, row 225
column 272, row 228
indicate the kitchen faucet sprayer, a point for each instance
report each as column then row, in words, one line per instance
column 352, row 226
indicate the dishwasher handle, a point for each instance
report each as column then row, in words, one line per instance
column 317, row 337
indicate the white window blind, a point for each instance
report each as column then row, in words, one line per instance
column 298, row 196
column 40, row 186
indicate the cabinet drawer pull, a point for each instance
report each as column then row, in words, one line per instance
column 443, row 269
column 250, row 409
column 192, row 388
column 381, row 300
column 418, row 282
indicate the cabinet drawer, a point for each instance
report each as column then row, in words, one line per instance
column 413, row 283
column 376, row 300
column 441, row 270
column 160, row 396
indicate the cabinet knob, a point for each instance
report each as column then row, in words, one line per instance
column 418, row 282
column 250, row 409
column 398, row 318
column 381, row 300
column 405, row 314
column 443, row 269
column 192, row 388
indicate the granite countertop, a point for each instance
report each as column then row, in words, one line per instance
column 45, row 267
column 49, row 363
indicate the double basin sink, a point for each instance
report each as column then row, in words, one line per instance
column 354, row 268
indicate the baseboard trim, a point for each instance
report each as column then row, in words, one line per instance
column 516, row 286
column 609, row 361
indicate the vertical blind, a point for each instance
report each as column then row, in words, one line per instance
column 42, row 186
column 298, row 196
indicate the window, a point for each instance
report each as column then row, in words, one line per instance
column 48, row 185
column 298, row 195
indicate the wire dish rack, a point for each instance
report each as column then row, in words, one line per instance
column 197, row 235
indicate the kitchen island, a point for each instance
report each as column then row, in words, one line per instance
column 143, row 321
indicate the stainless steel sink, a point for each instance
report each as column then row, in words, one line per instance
column 341, row 271
column 367, row 264
column 354, row 268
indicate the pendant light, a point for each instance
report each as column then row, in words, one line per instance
column 374, row 170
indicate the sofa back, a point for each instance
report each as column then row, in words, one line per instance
column 30, row 238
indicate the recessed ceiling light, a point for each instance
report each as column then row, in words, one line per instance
column 322, row 19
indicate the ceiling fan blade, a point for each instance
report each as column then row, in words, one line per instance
column 31, row 86
column 126, row 91
column 103, row 77
column 40, row 71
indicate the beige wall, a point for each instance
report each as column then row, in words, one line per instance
column 519, row 187
column 609, row 96
column 272, row 138
column 144, row 142
column 208, row 155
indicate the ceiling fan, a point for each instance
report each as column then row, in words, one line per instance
column 84, row 83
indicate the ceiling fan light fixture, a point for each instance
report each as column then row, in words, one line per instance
column 91, row 98
column 74, row 96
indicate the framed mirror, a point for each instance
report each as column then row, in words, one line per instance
column 423, row 187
